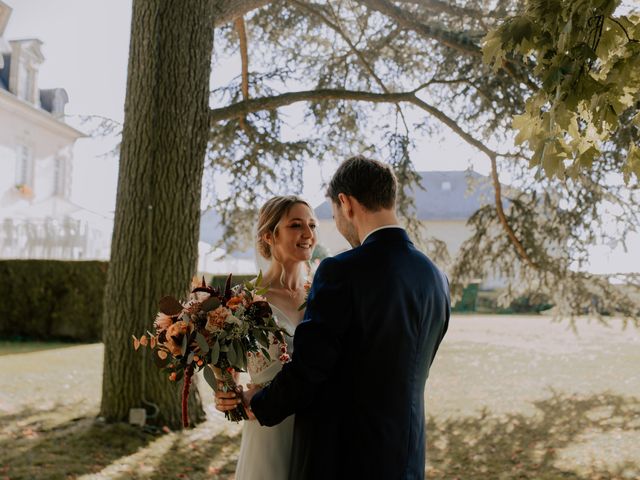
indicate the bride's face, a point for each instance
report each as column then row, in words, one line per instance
column 295, row 238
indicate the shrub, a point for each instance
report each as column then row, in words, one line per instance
column 51, row 299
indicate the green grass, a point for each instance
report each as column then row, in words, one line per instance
column 509, row 397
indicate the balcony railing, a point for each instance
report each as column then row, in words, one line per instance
column 59, row 239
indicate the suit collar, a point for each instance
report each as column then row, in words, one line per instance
column 391, row 232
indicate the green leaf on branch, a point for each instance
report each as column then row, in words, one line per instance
column 632, row 165
column 210, row 377
column 518, row 30
column 202, row 343
column 185, row 344
column 215, row 353
column 232, row 355
column 587, row 157
column 552, row 159
column 492, row 51
column 527, row 127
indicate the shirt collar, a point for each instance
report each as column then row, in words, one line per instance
column 377, row 229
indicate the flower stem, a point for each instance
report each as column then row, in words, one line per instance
column 188, row 374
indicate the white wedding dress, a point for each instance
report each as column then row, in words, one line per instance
column 265, row 451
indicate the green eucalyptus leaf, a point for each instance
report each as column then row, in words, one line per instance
column 185, row 344
column 210, row 377
column 232, row 355
column 215, row 353
column 202, row 343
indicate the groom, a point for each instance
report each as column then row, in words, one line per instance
column 375, row 317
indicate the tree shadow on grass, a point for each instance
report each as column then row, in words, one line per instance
column 53, row 444
column 206, row 458
column 516, row 446
column 65, row 449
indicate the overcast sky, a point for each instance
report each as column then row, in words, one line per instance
column 85, row 44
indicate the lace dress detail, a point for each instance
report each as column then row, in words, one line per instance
column 265, row 451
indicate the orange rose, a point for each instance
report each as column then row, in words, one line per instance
column 234, row 302
column 174, row 337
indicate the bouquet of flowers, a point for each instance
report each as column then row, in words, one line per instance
column 213, row 331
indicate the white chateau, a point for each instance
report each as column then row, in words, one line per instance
column 37, row 219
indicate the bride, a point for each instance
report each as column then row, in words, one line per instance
column 285, row 238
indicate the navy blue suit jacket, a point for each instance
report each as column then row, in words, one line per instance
column 375, row 317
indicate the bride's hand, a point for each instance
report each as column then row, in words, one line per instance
column 226, row 401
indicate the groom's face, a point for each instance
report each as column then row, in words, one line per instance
column 346, row 228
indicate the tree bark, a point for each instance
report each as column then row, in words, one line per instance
column 155, row 239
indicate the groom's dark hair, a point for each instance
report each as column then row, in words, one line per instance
column 369, row 181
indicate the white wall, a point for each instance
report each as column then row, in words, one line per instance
column 20, row 124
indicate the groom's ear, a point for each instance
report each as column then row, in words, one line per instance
column 346, row 204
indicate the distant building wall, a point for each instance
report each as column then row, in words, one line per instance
column 34, row 150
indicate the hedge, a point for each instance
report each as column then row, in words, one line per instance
column 58, row 300
column 51, row 299
column 62, row 300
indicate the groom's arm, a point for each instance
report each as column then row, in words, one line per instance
column 318, row 344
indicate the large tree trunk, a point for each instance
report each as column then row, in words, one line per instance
column 155, row 239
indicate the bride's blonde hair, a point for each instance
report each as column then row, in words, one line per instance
column 269, row 218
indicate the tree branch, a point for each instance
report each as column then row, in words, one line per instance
column 450, row 8
column 460, row 41
column 497, row 189
column 363, row 61
column 289, row 98
column 227, row 11
column 244, row 56
column 244, row 108
column 253, row 105
column 455, row 40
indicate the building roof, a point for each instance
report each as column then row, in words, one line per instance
column 211, row 231
column 51, row 100
column 446, row 195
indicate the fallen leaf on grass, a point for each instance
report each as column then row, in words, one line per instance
column 29, row 433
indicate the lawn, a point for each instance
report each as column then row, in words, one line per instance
column 509, row 397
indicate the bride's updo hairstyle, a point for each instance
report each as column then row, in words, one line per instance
column 269, row 218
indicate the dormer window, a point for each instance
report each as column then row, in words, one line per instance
column 446, row 186
column 26, row 58
column 26, row 84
